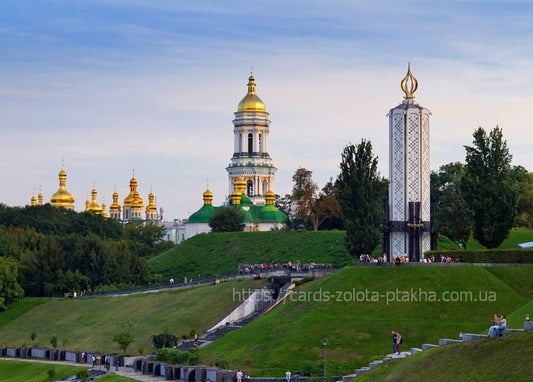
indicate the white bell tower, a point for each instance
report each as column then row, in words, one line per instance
column 251, row 160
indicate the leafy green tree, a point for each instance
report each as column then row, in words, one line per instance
column 490, row 187
column 144, row 238
column 361, row 193
column 227, row 219
column 525, row 200
column 125, row 335
column 453, row 217
column 10, row 289
column 304, row 195
column 326, row 211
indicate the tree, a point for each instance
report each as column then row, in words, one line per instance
column 227, row 219
column 125, row 335
column 10, row 290
column 144, row 239
column 490, row 187
column 525, row 200
column 361, row 192
column 453, row 217
column 304, row 194
column 326, row 210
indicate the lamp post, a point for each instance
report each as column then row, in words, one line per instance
column 325, row 344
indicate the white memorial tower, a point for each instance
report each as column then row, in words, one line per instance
column 407, row 229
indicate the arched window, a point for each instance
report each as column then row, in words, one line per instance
column 260, row 136
column 265, row 187
column 249, row 188
column 250, row 144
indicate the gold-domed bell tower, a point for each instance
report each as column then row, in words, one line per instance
column 62, row 198
column 251, row 160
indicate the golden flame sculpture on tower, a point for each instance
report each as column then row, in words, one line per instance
column 409, row 83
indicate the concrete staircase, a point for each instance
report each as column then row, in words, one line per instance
column 463, row 337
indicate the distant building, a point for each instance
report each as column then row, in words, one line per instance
column 250, row 173
column 132, row 208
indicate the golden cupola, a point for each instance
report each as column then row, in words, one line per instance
column 62, row 198
column 114, row 208
column 94, row 207
column 251, row 101
column 151, row 208
column 133, row 200
column 208, row 197
column 33, row 199
column 270, row 196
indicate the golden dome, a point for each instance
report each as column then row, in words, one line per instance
column 208, row 197
column 62, row 198
column 133, row 200
column 151, row 207
column 251, row 101
column 94, row 207
column 33, row 200
column 269, row 197
column 115, row 207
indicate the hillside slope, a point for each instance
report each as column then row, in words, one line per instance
column 214, row 255
column 357, row 308
column 509, row 358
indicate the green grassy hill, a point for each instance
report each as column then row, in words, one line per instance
column 503, row 359
column 215, row 255
column 357, row 308
column 89, row 323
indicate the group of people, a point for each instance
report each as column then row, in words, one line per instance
column 499, row 324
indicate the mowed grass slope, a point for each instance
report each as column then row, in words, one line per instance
column 22, row 371
column 504, row 359
column 90, row 323
column 364, row 305
column 218, row 254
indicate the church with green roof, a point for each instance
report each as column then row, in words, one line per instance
column 250, row 173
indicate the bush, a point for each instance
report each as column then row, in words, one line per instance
column 176, row 357
column 164, row 340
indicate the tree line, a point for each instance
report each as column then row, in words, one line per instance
column 49, row 251
column 484, row 197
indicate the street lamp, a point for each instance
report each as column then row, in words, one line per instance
column 325, row 344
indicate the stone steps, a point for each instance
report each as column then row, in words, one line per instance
column 463, row 337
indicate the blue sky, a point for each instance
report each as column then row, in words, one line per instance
column 152, row 86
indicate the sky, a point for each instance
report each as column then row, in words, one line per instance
column 115, row 88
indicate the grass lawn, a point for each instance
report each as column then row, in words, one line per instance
column 89, row 323
column 216, row 254
column 23, row 371
column 503, row 359
column 357, row 319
